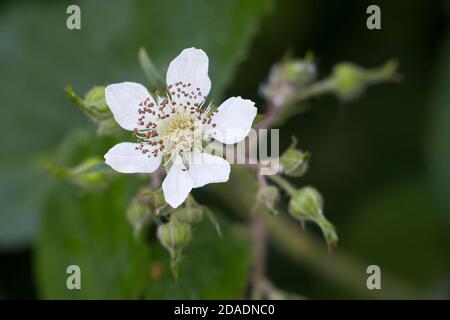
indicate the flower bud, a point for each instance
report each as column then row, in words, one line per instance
column 89, row 174
column 155, row 201
column 267, row 196
column 349, row 80
column 294, row 162
column 138, row 216
column 90, row 180
column 93, row 105
column 174, row 236
column 191, row 215
column 306, row 205
column 95, row 101
column 287, row 77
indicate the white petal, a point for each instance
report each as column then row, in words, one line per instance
column 123, row 100
column 124, row 158
column 190, row 66
column 177, row 184
column 205, row 168
column 234, row 120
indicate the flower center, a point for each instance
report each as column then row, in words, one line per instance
column 181, row 133
column 173, row 126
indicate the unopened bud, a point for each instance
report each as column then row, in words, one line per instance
column 191, row 215
column 93, row 105
column 307, row 205
column 349, row 80
column 155, row 201
column 294, row 162
column 287, row 78
column 95, row 100
column 138, row 216
column 267, row 196
column 174, row 236
column 300, row 72
column 90, row 174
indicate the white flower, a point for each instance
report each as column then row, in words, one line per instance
column 175, row 126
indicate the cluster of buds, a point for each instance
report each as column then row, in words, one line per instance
column 176, row 233
column 174, row 230
column 287, row 77
column 146, row 205
column 174, row 236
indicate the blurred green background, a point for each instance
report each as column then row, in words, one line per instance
column 382, row 162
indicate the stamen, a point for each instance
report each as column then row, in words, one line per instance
column 171, row 127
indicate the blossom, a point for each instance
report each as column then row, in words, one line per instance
column 172, row 129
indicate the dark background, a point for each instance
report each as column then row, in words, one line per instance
column 371, row 157
column 381, row 161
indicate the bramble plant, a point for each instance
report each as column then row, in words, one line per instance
column 179, row 132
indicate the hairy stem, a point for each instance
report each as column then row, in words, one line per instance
column 283, row 183
column 315, row 89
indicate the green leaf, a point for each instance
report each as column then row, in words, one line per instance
column 212, row 267
column 91, row 231
column 102, row 52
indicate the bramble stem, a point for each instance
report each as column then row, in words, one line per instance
column 283, row 183
column 259, row 251
column 271, row 115
column 156, row 179
column 315, row 89
column 258, row 268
